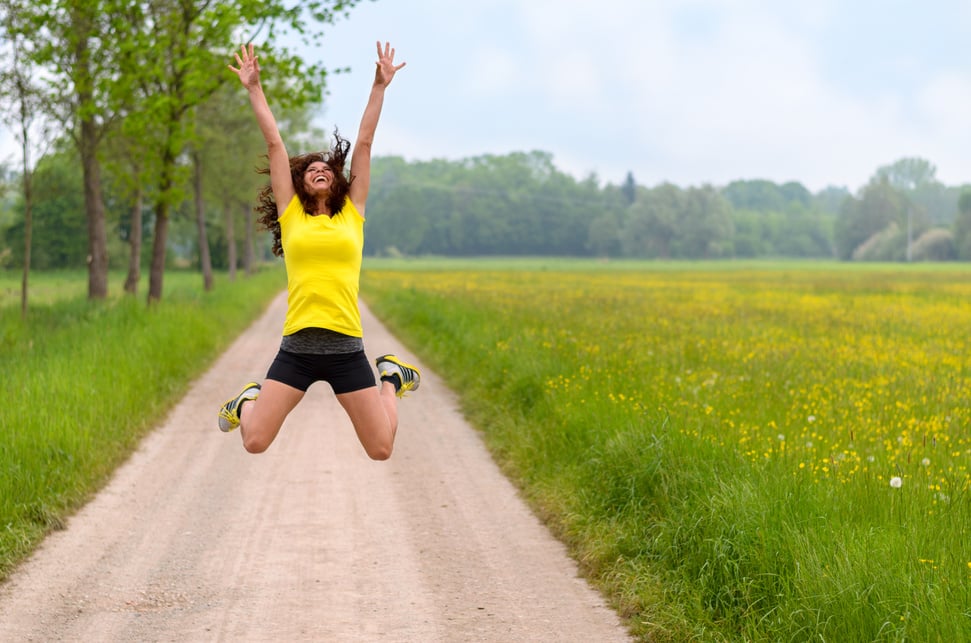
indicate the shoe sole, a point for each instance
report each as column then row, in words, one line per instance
column 415, row 382
column 239, row 399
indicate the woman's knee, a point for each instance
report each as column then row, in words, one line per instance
column 257, row 437
column 379, row 452
column 255, row 444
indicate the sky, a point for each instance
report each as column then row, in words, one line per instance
column 685, row 91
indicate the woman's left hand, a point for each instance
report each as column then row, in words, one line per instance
column 386, row 69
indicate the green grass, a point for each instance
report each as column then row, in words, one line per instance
column 714, row 441
column 717, row 443
column 87, row 380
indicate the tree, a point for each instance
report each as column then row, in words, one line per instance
column 605, row 234
column 829, row 200
column 184, row 43
column 229, row 149
column 757, row 195
column 654, row 223
column 937, row 244
column 707, row 224
column 129, row 166
column 796, row 194
column 886, row 244
column 879, row 206
column 780, row 220
column 754, row 233
column 908, row 174
column 916, row 178
column 205, row 257
column 59, row 239
column 962, row 226
column 153, row 62
column 629, row 188
column 73, row 41
column 22, row 111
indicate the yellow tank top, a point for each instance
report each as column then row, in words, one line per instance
column 323, row 259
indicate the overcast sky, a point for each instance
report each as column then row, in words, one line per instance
column 687, row 91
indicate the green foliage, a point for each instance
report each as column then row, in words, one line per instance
column 766, row 196
column 937, row 244
column 830, row 199
column 881, row 209
column 908, row 174
column 917, row 178
column 132, row 75
column 732, row 452
column 962, row 227
column 651, row 227
column 707, row 228
column 520, row 204
column 59, row 235
column 782, row 220
column 72, row 421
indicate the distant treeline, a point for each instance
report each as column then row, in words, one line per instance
column 521, row 204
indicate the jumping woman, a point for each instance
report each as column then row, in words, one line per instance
column 316, row 215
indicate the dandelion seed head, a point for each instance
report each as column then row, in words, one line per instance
column 896, row 482
column 926, row 462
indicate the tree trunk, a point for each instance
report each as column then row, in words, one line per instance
column 156, row 272
column 25, row 119
column 93, row 202
column 230, row 241
column 28, row 225
column 249, row 257
column 94, row 206
column 135, row 239
column 205, row 258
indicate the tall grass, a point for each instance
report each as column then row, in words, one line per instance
column 740, row 454
column 85, row 381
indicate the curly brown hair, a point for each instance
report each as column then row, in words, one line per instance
column 335, row 160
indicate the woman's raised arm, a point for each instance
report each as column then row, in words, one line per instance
column 361, row 156
column 248, row 71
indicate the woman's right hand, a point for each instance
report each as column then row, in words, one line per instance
column 248, row 68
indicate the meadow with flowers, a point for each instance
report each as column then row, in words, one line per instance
column 731, row 451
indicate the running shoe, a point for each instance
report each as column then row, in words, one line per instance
column 229, row 413
column 405, row 376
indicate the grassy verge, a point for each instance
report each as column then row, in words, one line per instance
column 86, row 381
column 731, row 452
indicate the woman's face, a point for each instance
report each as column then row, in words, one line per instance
column 318, row 178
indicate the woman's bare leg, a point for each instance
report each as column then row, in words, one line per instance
column 262, row 418
column 374, row 413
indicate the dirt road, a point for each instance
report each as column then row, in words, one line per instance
column 195, row 540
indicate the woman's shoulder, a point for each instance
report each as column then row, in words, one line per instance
column 293, row 207
column 351, row 209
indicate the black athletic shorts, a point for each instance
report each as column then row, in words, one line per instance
column 345, row 372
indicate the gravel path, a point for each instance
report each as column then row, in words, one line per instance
column 195, row 540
